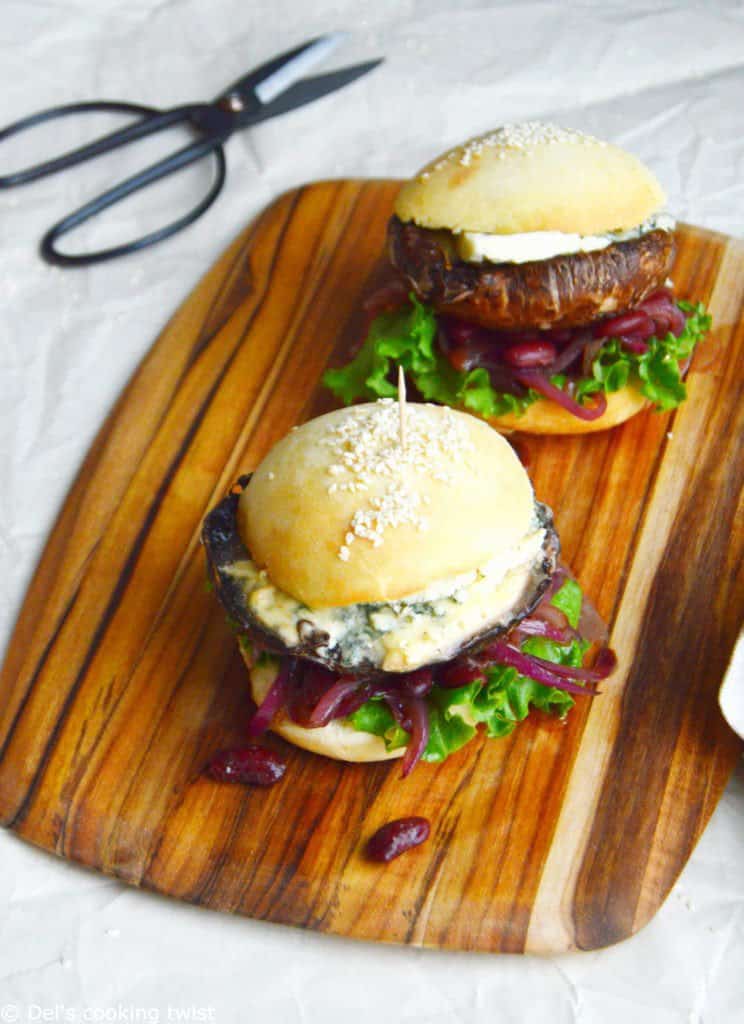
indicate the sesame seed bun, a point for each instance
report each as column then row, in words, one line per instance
column 546, row 417
column 339, row 739
column 340, row 513
column 532, row 177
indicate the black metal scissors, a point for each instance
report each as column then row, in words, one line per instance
column 274, row 88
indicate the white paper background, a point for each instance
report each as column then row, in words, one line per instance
column 666, row 81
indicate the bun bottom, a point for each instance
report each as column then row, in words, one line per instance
column 546, row 417
column 338, row 740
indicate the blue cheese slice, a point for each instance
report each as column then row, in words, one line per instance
column 403, row 635
column 477, row 247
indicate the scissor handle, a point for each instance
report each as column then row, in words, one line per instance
column 151, row 120
column 214, row 122
column 170, row 165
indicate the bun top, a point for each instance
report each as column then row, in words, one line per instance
column 532, row 177
column 340, row 512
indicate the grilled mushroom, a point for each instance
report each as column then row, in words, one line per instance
column 565, row 291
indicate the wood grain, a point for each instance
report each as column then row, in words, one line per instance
column 122, row 676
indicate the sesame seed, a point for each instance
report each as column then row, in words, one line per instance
column 366, row 449
column 522, row 137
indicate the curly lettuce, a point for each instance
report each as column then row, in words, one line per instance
column 407, row 338
column 655, row 372
column 499, row 700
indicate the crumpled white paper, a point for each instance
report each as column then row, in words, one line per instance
column 663, row 80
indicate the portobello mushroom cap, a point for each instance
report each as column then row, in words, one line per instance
column 224, row 547
column 564, row 291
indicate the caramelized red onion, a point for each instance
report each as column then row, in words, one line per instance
column 459, row 673
column 311, row 682
column 529, row 665
column 527, row 359
column 635, row 322
column 398, row 708
column 537, row 380
column 275, row 698
column 571, row 351
column 665, row 312
column 328, row 705
column 418, row 683
column 314, row 696
column 354, row 700
column 418, row 714
column 605, row 664
column 539, row 627
column 633, row 343
column 546, row 619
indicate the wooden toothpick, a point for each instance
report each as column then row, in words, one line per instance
column 402, row 404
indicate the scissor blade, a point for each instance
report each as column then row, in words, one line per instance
column 293, row 70
column 270, row 79
column 307, row 90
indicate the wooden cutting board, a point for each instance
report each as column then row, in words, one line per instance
column 122, row 676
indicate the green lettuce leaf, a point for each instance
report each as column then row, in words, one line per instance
column 407, row 338
column 501, row 699
column 448, row 730
column 655, row 372
column 376, row 717
column 568, row 599
column 559, row 654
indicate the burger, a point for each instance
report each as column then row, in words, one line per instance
column 532, row 287
column 395, row 586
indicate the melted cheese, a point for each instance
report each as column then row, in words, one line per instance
column 406, row 634
column 476, row 247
